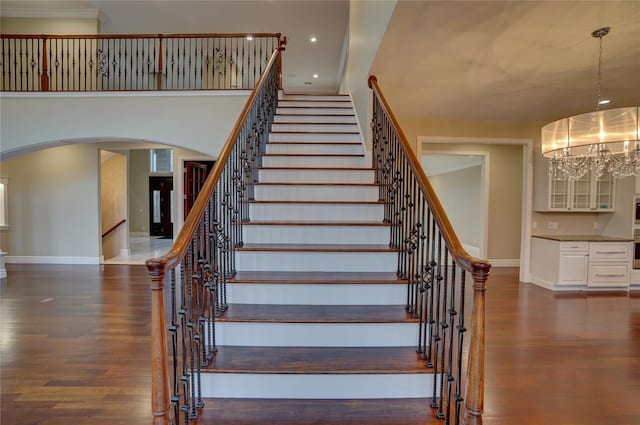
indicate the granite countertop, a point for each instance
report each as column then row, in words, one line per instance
column 583, row 238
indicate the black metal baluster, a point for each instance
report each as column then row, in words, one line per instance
column 431, row 294
column 451, row 347
column 443, row 330
column 175, row 356
column 435, row 401
column 461, row 331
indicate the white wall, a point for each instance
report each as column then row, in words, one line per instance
column 197, row 121
column 367, row 24
column 49, row 25
column 459, row 192
column 54, row 204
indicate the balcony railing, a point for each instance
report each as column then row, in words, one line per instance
column 79, row 63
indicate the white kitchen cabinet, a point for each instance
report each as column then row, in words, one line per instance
column 558, row 264
column 554, row 192
column 609, row 264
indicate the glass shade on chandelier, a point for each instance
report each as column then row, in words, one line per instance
column 596, row 141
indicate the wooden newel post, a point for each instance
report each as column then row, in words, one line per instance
column 44, row 77
column 474, row 390
column 282, row 45
column 160, row 403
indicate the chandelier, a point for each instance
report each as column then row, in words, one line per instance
column 595, row 141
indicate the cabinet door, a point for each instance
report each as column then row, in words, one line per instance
column 573, row 268
column 581, row 191
column 602, row 192
column 558, row 189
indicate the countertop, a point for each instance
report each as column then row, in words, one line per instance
column 583, row 238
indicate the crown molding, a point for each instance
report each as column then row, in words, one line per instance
column 43, row 12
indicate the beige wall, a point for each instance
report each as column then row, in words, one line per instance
column 504, row 197
column 139, row 191
column 113, row 202
column 54, row 203
column 48, row 26
column 367, row 24
column 459, row 193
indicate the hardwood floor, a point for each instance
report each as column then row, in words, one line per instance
column 75, row 347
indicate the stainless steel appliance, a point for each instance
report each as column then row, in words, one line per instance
column 636, row 249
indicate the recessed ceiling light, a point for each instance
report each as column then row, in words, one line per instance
column 249, row 37
column 313, row 39
column 315, row 75
column 308, row 83
column 604, row 102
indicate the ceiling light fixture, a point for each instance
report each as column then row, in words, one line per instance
column 313, row 39
column 249, row 38
column 595, row 141
column 315, row 75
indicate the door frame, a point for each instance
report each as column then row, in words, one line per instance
column 527, row 185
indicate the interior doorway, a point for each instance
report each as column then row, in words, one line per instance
column 161, row 206
column 195, row 173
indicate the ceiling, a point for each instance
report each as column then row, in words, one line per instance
column 530, row 61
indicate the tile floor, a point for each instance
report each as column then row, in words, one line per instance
column 141, row 249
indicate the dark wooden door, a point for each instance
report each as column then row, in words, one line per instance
column 195, row 173
column 160, row 214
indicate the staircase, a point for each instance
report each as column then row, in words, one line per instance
column 316, row 313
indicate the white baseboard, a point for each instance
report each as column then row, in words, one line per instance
column 18, row 259
column 505, row 262
column 138, row 234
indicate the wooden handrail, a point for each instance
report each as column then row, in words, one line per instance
column 479, row 269
column 114, row 227
column 158, row 267
column 460, row 255
column 106, row 36
column 179, row 248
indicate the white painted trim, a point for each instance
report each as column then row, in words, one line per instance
column 49, row 12
column 132, row 93
column 363, row 137
column 527, row 186
column 316, row 386
column 542, row 283
column 505, row 262
column 41, row 259
column 3, row 273
column 139, row 234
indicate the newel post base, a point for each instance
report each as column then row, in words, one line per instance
column 474, row 399
column 160, row 403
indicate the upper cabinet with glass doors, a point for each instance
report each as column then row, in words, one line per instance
column 555, row 192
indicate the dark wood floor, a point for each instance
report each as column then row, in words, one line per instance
column 75, row 349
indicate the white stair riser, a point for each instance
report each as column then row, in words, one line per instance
column 314, row 137
column 326, row 128
column 314, row 148
column 269, row 192
column 345, row 103
column 358, row 235
column 328, row 212
column 313, row 111
column 308, row 97
column 343, row 119
column 316, row 176
column 318, row 294
column 263, row 334
column 302, row 261
column 313, row 162
column 317, row 386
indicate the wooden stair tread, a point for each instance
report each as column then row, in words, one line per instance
column 315, row 247
column 313, row 184
column 334, row 202
column 414, row 411
column 314, row 154
column 315, row 123
column 317, row 360
column 314, row 143
column 316, row 115
column 312, row 132
column 299, row 313
column 315, row 223
column 320, row 168
column 315, row 277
